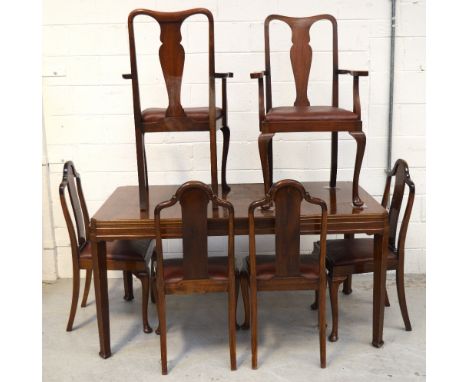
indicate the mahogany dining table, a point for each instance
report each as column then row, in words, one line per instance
column 120, row 217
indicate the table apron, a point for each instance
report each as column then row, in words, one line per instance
column 119, row 230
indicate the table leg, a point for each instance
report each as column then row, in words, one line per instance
column 380, row 276
column 102, row 298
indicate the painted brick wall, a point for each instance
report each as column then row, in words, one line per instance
column 88, row 106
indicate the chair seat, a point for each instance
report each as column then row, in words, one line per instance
column 199, row 114
column 217, row 269
column 265, row 264
column 309, row 113
column 344, row 252
column 123, row 250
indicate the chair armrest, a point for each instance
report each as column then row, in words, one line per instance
column 224, row 75
column 354, row 73
column 127, row 76
column 261, row 93
column 258, row 74
column 356, row 99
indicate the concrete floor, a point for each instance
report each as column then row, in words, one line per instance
column 198, row 341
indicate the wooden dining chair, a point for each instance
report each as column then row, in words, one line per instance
column 129, row 256
column 350, row 255
column 175, row 117
column 286, row 269
column 302, row 117
column 195, row 272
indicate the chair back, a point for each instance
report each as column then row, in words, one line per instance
column 402, row 177
column 287, row 196
column 301, row 56
column 172, row 58
column 78, row 227
column 194, row 197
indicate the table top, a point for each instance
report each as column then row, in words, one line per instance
column 120, row 215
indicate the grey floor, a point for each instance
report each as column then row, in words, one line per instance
column 198, row 342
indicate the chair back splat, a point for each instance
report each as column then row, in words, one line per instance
column 301, row 55
column 171, row 57
column 402, row 177
column 71, row 181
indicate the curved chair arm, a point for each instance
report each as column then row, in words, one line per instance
column 356, row 100
column 261, row 92
column 224, row 106
column 224, row 75
column 354, row 73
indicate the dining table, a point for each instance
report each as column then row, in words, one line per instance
column 120, row 217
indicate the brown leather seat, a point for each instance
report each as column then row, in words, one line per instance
column 265, row 265
column 309, row 113
column 353, row 251
column 199, row 114
column 123, row 250
column 217, row 269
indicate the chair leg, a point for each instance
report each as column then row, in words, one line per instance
column 264, row 149
column 161, row 301
column 152, row 284
column 360, row 139
column 334, row 159
column 237, row 295
column 89, row 273
column 347, row 285
column 232, row 302
column 387, row 302
column 334, row 284
column 128, row 285
column 314, row 306
column 402, row 298
column 253, row 323
column 155, row 291
column 322, row 328
column 213, row 160
column 75, row 295
column 244, row 282
column 226, row 139
column 144, row 278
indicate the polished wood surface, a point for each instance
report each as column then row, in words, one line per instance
column 120, row 217
column 175, row 117
column 287, row 269
column 302, row 117
column 350, row 255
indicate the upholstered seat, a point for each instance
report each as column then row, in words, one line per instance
column 266, row 267
column 354, row 251
column 309, row 113
column 123, row 250
column 217, row 269
column 199, row 114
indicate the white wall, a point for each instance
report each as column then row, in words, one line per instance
column 88, row 106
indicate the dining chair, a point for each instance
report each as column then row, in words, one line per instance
column 196, row 272
column 350, row 255
column 286, row 269
column 175, row 117
column 130, row 256
column 302, row 117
